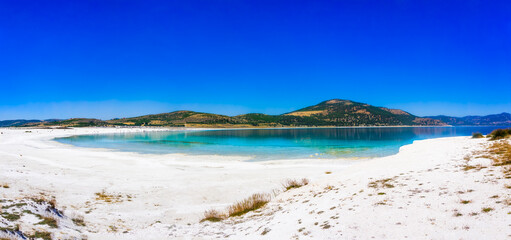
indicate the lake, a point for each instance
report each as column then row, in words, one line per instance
column 273, row 144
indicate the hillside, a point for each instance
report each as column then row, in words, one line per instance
column 335, row 112
column 503, row 119
column 177, row 118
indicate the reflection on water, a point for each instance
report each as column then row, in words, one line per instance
column 267, row 144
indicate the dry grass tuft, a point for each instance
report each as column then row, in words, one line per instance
column 488, row 209
column 254, row 202
column 383, row 183
column 43, row 199
column 213, row 216
column 48, row 221
column 40, row 235
column 502, row 153
column 109, row 198
column 79, row 221
column 294, row 183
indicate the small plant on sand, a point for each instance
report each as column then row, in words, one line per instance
column 5, row 186
column 79, row 221
column 42, row 200
column 48, row 221
column 11, row 216
column 109, row 198
column 213, row 216
column 328, row 172
column 293, row 183
column 468, row 167
column 43, row 235
column 488, row 209
column 477, row 135
column 254, row 202
column 465, row 201
column 383, row 183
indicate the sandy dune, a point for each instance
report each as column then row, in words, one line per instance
column 123, row 195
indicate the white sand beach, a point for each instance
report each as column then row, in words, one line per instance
column 151, row 196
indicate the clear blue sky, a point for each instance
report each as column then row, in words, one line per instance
column 124, row 58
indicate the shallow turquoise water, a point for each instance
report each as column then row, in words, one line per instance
column 270, row 144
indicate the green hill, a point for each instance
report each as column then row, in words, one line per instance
column 338, row 112
column 335, row 112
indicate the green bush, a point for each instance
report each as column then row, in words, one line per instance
column 477, row 135
column 500, row 134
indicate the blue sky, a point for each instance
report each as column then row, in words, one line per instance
column 106, row 59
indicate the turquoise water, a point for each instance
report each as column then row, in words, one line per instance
column 270, row 144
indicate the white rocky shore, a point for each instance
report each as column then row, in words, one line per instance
column 425, row 191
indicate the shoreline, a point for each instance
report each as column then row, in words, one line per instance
column 168, row 192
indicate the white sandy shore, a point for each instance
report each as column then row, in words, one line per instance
column 164, row 196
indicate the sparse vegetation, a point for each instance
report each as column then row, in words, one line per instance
column 465, row 201
column 42, row 200
column 213, row 216
column 383, row 183
column 48, row 221
column 254, row 202
column 109, row 198
column 502, row 153
column 11, row 216
column 488, row 209
column 78, row 222
column 468, row 167
column 43, row 235
column 293, row 183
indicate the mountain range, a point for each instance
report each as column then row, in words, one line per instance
column 488, row 120
column 335, row 112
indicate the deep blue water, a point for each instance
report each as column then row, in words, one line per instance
column 268, row 144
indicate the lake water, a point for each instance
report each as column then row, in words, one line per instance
column 270, row 144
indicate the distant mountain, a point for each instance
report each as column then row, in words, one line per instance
column 335, row 112
column 493, row 120
column 18, row 122
column 72, row 122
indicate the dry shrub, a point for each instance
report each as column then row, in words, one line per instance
column 44, row 199
column 502, row 151
column 500, row 134
column 107, row 197
column 294, row 183
column 383, row 183
column 48, row 221
column 477, row 135
column 254, row 202
column 213, row 216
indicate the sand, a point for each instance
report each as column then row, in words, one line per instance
column 123, row 195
